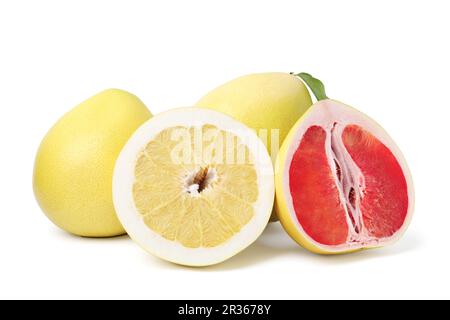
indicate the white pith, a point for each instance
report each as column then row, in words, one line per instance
column 333, row 117
column 173, row 251
column 350, row 177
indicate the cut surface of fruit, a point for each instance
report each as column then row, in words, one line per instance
column 342, row 183
column 194, row 186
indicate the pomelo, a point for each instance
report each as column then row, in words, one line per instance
column 74, row 164
column 269, row 103
column 193, row 186
column 342, row 184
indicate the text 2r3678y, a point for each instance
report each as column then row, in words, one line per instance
column 247, row 309
column 224, row 310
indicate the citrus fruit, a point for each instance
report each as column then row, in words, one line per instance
column 269, row 102
column 193, row 186
column 342, row 184
column 74, row 164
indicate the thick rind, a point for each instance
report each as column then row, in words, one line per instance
column 283, row 199
column 172, row 251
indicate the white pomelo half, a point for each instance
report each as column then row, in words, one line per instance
column 194, row 186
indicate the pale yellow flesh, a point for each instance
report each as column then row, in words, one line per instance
column 208, row 218
column 73, row 169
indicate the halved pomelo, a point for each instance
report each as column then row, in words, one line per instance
column 342, row 184
column 194, row 186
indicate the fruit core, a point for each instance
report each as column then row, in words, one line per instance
column 347, row 187
column 200, row 180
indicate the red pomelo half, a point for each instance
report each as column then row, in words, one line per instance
column 342, row 184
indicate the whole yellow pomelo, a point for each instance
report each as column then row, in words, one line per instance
column 271, row 101
column 73, row 170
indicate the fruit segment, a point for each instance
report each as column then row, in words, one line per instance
column 383, row 198
column 314, row 190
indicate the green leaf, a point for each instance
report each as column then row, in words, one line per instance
column 314, row 84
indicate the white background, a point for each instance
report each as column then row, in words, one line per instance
column 387, row 58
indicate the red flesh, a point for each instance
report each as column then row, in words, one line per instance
column 313, row 187
column 314, row 193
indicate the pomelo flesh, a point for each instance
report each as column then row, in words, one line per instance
column 342, row 183
column 194, row 186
